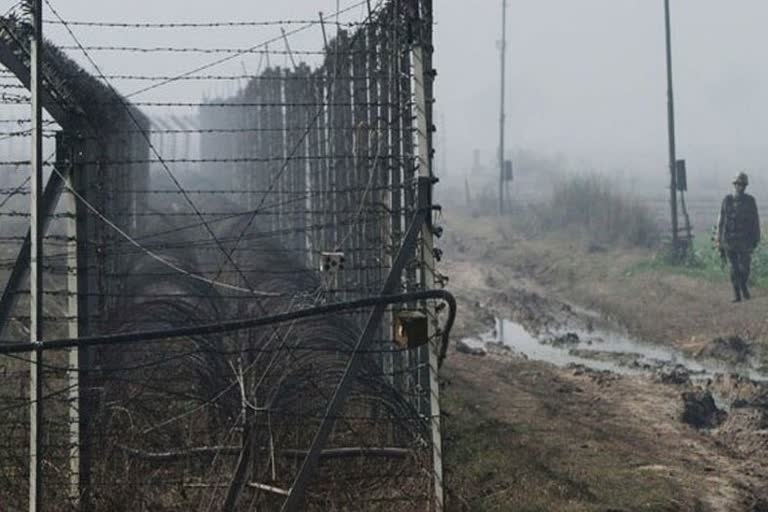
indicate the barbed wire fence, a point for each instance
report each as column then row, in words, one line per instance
column 238, row 290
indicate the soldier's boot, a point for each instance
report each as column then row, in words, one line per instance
column 745, row 291
column 736, row 293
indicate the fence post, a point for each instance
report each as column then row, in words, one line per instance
column 36, row 480
column 423, row 80
column 344, row 149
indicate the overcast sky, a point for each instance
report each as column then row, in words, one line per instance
column 586, row 78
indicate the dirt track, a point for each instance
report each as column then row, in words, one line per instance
column 525, row 435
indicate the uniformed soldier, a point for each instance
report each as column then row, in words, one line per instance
column 738, row 234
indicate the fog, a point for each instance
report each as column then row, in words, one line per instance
column 586, row 80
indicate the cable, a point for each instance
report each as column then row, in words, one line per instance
column 152, row 254
column 188, row 49
column 15, row 192
column 168, row 171
column 237, row 325
column 264, row 44
column 213, row 24
column 255, row 78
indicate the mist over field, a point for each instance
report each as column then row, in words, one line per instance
column 586, row 84
column 586, row 81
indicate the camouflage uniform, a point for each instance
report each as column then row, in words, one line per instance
column 738, row 235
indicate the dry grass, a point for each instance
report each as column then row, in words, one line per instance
column 590, row 207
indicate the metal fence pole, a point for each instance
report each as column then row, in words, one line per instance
column 36, row 268
column 423, row 78
column 73, row 320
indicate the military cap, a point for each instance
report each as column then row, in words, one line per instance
column 741, row 179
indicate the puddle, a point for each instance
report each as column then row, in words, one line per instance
column 603, row 349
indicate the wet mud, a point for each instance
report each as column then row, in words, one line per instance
column 704, row 411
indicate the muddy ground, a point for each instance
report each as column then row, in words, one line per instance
column 527, row 435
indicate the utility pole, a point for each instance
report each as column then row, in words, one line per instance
column 671, row 120
column 502, row 115
column 35, row 265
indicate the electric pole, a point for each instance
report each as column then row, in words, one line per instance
column 671, row 121
column 502, row 115
column 35, row 265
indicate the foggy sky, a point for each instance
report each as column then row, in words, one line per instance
column 586, row 78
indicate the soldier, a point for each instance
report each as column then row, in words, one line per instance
column 738, row 234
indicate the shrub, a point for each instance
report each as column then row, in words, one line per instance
column 590, row 204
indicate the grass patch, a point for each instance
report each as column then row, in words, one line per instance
column 705, row 263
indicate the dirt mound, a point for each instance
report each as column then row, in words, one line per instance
column 677, row 375
column 536, row 313
column 700, row 410
column 738, row 390
column 760, row 407
column 733, row 349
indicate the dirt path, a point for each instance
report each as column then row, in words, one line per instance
column 525, row 435
column 663, row 307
